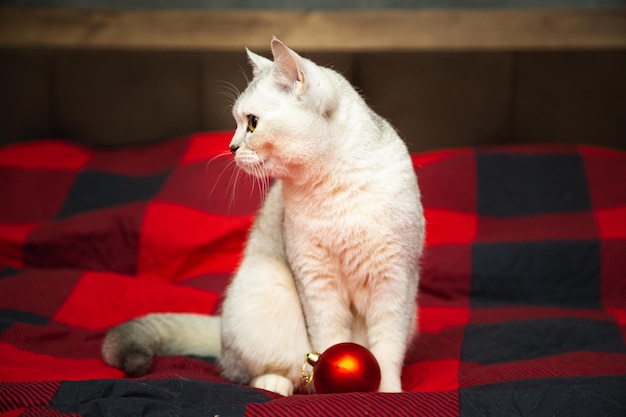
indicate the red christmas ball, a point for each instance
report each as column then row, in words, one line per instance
column 346, row 367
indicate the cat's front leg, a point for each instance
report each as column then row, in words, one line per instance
column 388, row 346
column 328, row 315
column 390, row 319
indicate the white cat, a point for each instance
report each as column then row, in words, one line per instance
column 333, row 255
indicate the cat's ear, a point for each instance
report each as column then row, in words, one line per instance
column 258, row 62
column 287, row 67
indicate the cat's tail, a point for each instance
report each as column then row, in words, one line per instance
column 132, row 345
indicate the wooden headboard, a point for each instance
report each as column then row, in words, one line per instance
column 444, row 78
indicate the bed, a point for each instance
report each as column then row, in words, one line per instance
column 522, row 303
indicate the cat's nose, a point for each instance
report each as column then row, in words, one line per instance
column 233, row 149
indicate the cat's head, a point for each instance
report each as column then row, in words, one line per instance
column 286, row 114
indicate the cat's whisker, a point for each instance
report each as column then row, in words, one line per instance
column 219, row 156
column 225, row 168
column 261, row 185
column 264, row 183
column 256, row 181
column 234, row 184
column 228, row 89
column 227, row 109
column 245, row 74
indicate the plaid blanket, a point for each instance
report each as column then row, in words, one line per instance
column 522, row 305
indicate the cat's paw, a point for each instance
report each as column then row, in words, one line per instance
column 393, row 385
column 275, row 383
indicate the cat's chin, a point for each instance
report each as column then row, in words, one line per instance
column 254, row 170
column 251, row 163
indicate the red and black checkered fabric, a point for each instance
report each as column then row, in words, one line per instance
column 522, row 302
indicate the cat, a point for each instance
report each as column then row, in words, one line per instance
column 333, row 255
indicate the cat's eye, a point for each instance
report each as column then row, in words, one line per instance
column 252, row 122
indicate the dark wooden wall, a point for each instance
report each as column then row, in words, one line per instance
column 435, row 99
